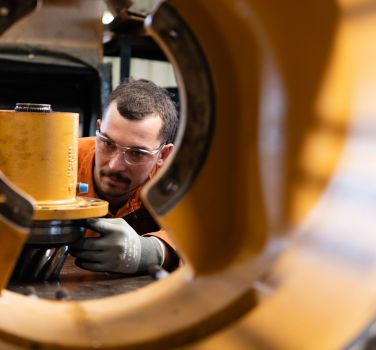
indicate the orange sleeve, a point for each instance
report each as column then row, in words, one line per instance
column 85, row 164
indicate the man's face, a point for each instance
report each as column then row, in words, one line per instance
column 115, row 179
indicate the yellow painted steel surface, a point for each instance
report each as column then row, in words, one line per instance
column 284, row 193
column 255, row 183
column 321, row 292
column 38, row 153
column 15, row 215
column 12, row 238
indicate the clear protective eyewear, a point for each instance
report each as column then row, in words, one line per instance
column 132, row 155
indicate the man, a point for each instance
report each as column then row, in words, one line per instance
column 133, row 140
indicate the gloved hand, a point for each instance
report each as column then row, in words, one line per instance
column 119, row 249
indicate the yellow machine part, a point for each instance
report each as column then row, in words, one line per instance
column 314, row 63
column 12, row 239
column 281, row 207
column 16, row 210
column 266, row 169
column 38, row 153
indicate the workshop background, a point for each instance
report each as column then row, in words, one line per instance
column 269, row 197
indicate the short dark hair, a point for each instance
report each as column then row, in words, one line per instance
column 137, row 99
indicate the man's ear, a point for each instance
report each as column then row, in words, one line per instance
column 98, row 124
column 165, row 152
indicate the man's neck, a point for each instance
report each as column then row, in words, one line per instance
column 116, row 204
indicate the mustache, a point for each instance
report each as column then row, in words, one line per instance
column 116, row 175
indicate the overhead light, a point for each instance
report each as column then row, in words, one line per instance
column 107, row 17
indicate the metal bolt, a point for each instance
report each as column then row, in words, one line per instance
column 171, row 186
column 173, row 34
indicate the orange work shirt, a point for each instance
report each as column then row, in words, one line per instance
column 86, row 152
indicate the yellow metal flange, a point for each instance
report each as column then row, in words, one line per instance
column 80, row 208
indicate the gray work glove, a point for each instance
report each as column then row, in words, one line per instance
column 119, row 249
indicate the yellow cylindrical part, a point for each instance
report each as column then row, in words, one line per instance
column 38, row 153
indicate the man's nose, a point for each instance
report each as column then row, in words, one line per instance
column 117, row 161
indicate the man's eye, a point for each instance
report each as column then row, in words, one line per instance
column 136, row 155
column 108, row 144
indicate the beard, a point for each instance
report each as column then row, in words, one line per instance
column 116, row 175
column 113, row 185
